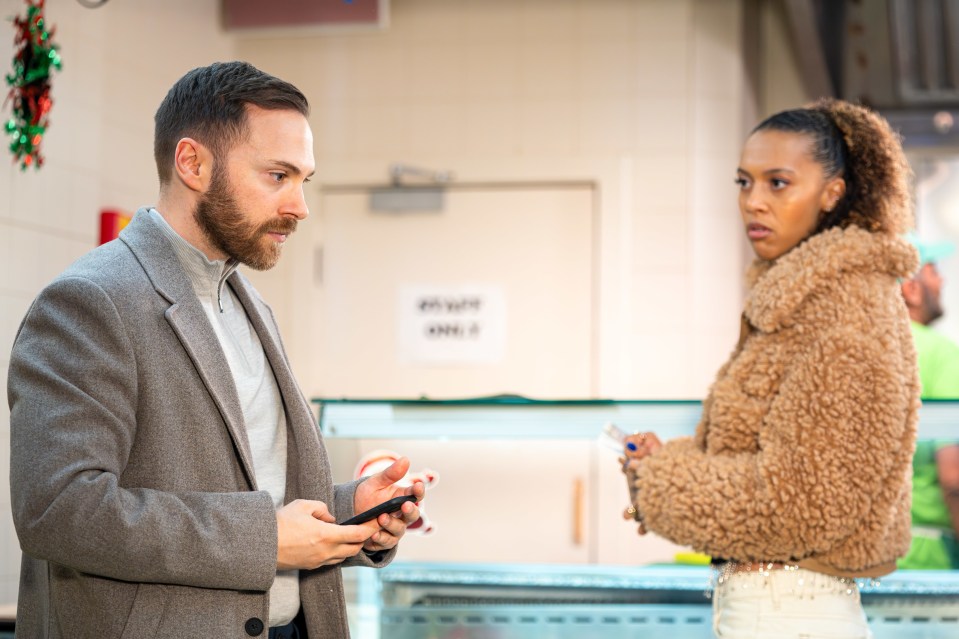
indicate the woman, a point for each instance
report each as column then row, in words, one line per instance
column 797, row 475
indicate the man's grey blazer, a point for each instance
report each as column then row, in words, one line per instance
column 132, row 483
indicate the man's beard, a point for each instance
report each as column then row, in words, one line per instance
column 931, row 306
column 221, row 220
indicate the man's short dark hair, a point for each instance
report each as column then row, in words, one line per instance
column 209, row 104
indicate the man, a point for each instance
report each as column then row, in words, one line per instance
column 167, row 475
column 935, row 496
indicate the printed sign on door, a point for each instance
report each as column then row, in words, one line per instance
column 451, row 324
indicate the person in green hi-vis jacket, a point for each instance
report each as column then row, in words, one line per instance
column 935, row 492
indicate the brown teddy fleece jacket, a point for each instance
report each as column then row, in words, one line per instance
column 803, row 453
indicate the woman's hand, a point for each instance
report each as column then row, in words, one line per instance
column 637, row 447
column 641, row 445
column 632, row 514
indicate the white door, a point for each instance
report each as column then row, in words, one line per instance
column 523, row 254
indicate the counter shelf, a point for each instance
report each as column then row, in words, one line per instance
column 512, row 417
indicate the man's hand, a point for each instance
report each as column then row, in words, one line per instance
column 308, row 536
column 390, row 527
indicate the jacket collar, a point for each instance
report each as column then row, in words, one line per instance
column 304, row 439
column 189, row 322
column 153, row 250
column 778, row 288
column 187, row 319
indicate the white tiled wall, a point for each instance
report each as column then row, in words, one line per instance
column 644, row 97
column 118, row 62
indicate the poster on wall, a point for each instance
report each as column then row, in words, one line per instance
column 451, row 325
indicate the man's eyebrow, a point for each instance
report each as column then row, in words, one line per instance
column 292, row 168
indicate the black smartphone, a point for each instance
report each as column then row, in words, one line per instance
column 386, row 507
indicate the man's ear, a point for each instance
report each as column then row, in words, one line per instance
column 912, row 293
column 193, row 164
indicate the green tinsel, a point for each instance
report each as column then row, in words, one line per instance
column 35, row 56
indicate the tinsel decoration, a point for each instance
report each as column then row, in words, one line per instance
column 35, row 56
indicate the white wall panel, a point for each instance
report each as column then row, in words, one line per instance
column 118, row 63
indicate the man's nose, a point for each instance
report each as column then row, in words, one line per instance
column 296, row 206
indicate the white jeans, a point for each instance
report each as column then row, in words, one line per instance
column 784, row 604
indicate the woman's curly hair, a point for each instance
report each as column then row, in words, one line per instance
column 858, row 145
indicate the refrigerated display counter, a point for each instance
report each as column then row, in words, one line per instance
column 434, row 601
column 490, row 579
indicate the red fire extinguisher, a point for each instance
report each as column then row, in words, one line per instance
column 111, row 223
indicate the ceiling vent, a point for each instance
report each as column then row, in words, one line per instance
column 308, row 16
column 900, row 57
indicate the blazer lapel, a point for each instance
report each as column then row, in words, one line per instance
column 191, row 326
column 314, row 482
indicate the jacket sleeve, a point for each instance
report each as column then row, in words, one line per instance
column 73, row 393
column 833, row 434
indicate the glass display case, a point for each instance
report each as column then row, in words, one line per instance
column 527, row 535
column 515, row 417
